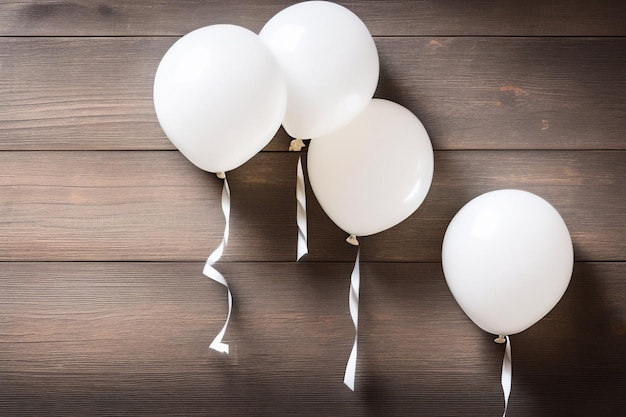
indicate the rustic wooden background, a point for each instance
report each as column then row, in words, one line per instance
column 104, row 226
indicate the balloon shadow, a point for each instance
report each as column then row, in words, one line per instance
column 572, row 362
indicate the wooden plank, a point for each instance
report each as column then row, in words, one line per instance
column 80, row 93
column 132, row 339
column 109, row 205
column 526, row 95
column 504, row 93
column 407, row 18
column 114, row 205
column 585, row 187
column 471, row 93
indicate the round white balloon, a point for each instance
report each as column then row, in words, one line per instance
column 375, row 172
column 507, row 257
column 330, row 64
column 219, row 96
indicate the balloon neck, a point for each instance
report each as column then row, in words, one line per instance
column 352, row 240
column 500, row 339
column 221, row 175
column 296, row 145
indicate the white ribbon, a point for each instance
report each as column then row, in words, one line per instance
column 215, row 275
column 301, row 212
column 507, row 374
column 355, row 284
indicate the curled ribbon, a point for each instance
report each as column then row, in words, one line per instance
column 355, row 284
column 214, row 274
column 301, row 212
column 507, row 373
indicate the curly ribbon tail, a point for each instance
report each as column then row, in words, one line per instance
column 214, row 274
column 507, row 371
column 355, row 283
column 301, row 212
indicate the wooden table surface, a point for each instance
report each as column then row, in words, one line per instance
column 104, row 226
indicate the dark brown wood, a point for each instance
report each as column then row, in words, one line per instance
column 585, row 187
column 407, row 18
column 104, row 227
column 470, row 93
column 503, row 93
column 111, row 205
column 75, row 93
column 132, row 339
column 157, row 206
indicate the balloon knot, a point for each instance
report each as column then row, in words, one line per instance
column 352, row 240
column 500, row 339
column 296, row 145
column 221, row 175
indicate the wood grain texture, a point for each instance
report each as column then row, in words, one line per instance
column 157, row 206
column 470, row 93
column 407, row 18
column 503, row 93
column 80, row 93
column 104, row 227
column 132, row 339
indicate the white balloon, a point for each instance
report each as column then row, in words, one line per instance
column 507, row 257
column 375, row 172
column 330, row 64
column 220, row 96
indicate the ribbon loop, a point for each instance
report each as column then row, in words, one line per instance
column 301, row 212
column 507, row 373
column 215, row 275
column 355, row 284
